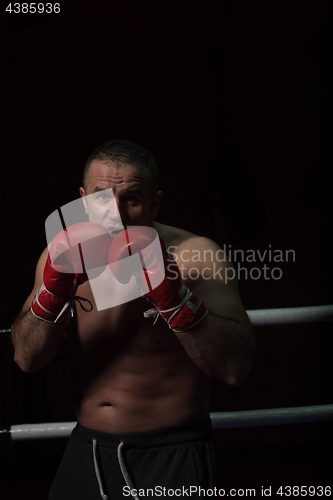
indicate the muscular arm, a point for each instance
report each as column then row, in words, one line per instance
column 36, row 342
column 222, row 345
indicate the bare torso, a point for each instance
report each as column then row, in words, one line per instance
column 131, row 375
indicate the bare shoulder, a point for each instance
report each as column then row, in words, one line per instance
column 173, row 236
column 199, row 259
column 180, row 241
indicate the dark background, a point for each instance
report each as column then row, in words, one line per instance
column 231, row 97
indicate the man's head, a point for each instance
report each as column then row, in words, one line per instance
column 121, row 179
column 121, row 151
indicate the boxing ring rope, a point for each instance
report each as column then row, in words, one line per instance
column 267, row 317
column 220, row 420
column 290, row 315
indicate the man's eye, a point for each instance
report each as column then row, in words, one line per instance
column 131, row 199
column 102, row 196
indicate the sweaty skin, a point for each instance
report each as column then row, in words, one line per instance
column 131, row 375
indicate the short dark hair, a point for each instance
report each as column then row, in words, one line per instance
column 125, row 151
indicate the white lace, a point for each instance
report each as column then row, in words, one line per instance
column 158, row 312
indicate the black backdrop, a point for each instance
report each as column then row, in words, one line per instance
column 231, row 97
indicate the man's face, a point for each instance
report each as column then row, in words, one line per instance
column 130, row 203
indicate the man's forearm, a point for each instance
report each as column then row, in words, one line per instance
column 36, row 342
column 222, row 348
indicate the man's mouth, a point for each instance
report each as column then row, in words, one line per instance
column 115, row 228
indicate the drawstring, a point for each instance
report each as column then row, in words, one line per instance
column 103, row 495
column 122, row 468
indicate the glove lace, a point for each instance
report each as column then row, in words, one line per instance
column 156, row 312
column 70, row 303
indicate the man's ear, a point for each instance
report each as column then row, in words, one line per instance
column 84, row 199
column 155, row 206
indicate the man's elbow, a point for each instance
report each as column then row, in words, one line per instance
column 27, row 366
column 238, row 379
column 235, row 375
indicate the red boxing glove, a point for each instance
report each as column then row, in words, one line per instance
column 74, row 251
column 171, row 298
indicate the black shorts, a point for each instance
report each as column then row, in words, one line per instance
column 169, row 462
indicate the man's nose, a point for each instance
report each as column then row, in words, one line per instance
column 113, row 210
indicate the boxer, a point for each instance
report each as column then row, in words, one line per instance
column 142, row 385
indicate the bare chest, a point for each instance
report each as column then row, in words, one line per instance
column 121, row 327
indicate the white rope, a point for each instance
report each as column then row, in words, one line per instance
column 274, row 416
column 50, row 430
column 290, row 315
column 220, row 420
column 266, row 317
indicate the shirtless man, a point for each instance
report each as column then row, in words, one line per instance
column 138, row 382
